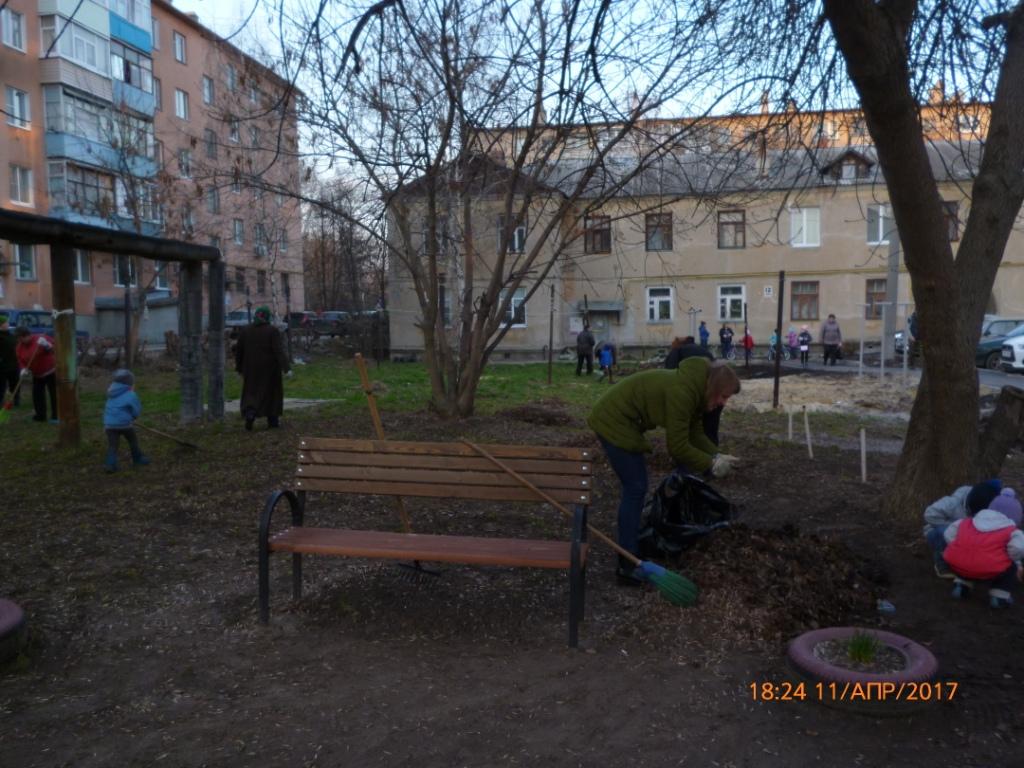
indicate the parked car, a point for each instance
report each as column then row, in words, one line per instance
column 994, row 332
column 301, row 319
column 36, row 320
column 239, row 318
column 331, row 323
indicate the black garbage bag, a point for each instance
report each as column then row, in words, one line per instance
column 681, row 510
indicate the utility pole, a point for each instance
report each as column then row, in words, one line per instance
column 63, row 296
column 551, row 329
column 778, row 337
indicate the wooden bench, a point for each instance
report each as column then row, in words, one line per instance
column 432, row 470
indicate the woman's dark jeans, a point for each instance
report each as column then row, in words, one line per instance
column 631, row 469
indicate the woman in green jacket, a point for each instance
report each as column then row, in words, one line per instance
column 676, row 400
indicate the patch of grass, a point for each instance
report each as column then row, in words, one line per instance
column 863, row 647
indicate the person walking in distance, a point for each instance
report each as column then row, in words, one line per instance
column 804, row 340
column 704, row 333
column 791, row 342
column 832, row 338
column 725, row 335
column 585, row 350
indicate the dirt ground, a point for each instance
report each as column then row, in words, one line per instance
column 146, row 650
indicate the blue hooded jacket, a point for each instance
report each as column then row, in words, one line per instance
column 123, row 407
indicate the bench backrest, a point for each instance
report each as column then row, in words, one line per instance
column 441, row 470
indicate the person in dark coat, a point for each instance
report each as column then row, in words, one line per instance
column 585, row 351
column 8, row 363
column 260, row 358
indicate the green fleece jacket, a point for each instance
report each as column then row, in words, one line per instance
column 673, row 399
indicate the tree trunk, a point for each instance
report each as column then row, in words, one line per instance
column 1001, row 432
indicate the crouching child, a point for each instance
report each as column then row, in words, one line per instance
column 985, row 546
column 122, row 408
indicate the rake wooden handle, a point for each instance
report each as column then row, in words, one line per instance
column 378, row 427
column 546, row 497
column 17, row 387
column 185, row 443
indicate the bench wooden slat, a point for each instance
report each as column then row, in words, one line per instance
column 427, row 490
column 470, row 550
column 424, row 461
column 442, row 449
column 439, row 477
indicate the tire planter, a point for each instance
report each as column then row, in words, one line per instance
column 12, row 630
column 834, row 685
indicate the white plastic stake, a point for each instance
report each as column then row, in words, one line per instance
column 863, row 456
column 807, row 431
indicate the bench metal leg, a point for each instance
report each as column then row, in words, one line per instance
column 577, row 576
column 263, row 547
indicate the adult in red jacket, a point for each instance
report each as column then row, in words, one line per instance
column 35, row 356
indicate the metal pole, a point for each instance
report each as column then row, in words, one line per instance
column 863, row 330
column 215, row 341
column 885, row 324
column 63, row 295
column 778, row 337
column 551, row 330
column 891, row 290
column 746, row 332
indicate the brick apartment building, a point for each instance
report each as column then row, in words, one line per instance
column 135, row 116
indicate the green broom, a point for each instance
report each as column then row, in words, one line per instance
column 675, row 588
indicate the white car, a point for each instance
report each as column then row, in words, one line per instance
column 1012, row 356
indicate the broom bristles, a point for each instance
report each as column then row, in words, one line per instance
column 675, row 588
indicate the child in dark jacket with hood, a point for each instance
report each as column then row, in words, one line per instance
column 123, row 407
column 985, row 546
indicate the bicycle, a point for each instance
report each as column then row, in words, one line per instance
column 727, row 355
column 786, row 354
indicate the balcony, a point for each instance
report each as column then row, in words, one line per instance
column 134, row 98
column 97, row 155
column 137, row 37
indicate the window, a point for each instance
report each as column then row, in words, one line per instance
column 210, row 140
column 231, row 76
column 207, row 90
column 874, row 292
column 516, row 312
column 597, row 234
column 180, row 104
column 76, row 43
column 233, row 130
column 124, row 271
column 135, row 196
column 659, row 305
column 283, row 242
column 236, row 183
column 951, row 213
column 215, row 241
column 17, row 108
column 858, row 128
column 13, row 25
column 879, row 223
column 658, row 231
column 261, row 282
column 254, row 136
column 805, row 227
column 213, row 200
column 83, row 267
column 240, row 280
column 158, row 94
column 968, row 123
column 130, row 66
column 804, row 302
column 82, row 189
column 156, row 34
column 188, row 223
column 239, row 231
column 731, row 299
column 732, row 229
column 185, row 163
column 286, row 286
column 517, row 243
column 21, row 185
column 162, row 281
column 254, row 93
column 180, row 52
column 442, row 300
column 24, row 261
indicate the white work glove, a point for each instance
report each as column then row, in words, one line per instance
column 25, row 373
column 289, row 374
column 723, row 464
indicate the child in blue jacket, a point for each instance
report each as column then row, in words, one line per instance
column 123, row 407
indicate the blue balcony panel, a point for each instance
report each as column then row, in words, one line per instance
column 134, row 98
column 117, row 221
column 126, row 32
column 97, row 155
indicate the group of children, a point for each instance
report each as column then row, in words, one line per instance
column 975, row 536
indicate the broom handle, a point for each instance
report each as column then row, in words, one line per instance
column 600, row 534
column 17, row 387
column 164, row 434
column 364, row 378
